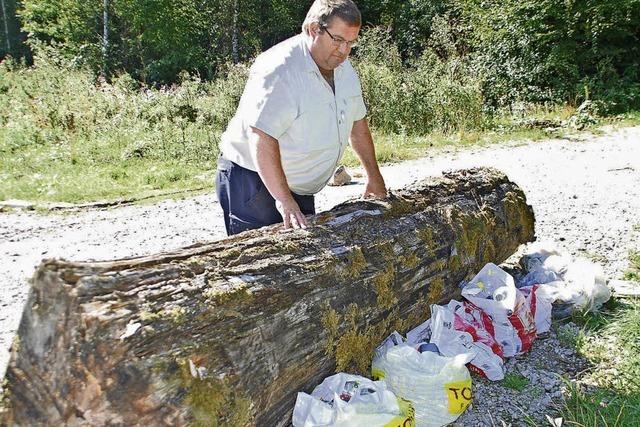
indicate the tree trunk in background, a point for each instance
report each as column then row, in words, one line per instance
column 105, row 36
column 230, row 331
column 234, row 35
column 6, row 25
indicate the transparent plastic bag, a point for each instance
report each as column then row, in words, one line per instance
column 577, row 282
column 439, row 387
column 345, row 400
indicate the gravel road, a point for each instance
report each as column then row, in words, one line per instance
column 585, row 192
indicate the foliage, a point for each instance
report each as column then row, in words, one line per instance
column 155, row 40
column 556, row 51
column 433, row 73
column 65, row 136
column 611, row 342
column 519, row 50
column 431, row 94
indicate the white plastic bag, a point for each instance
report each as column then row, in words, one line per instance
column 457, row 330
column 493, row 290
column 345, row 400
column 578, row 282
column 439, row 387
column 588, row 283
column 420, row 333
column 539, row 299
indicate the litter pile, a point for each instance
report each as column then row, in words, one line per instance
column 424, row 380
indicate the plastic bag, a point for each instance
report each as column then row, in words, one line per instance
column 458, row 328
column 578, row 282
column 439, row 387
column 539, row 298
column 588, row 284
column 536, row 254
column 345, row 400
column 420, row 333
column 493, row 291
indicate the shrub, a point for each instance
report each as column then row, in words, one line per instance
column 58, row 119
column 430, row 94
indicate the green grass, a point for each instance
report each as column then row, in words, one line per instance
column 393, row 148
column 600, row 408
column 516, row 382
column 631, row 118
column 117, row 180
column 611, row 343
column 633, row 273
column 66, row 138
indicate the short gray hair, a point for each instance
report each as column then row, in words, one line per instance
column 323, row 12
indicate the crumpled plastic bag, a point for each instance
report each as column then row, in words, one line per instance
column 536, row 253
column 493, row 290
column 463, row 328
column 439, row 387
column 578, row 282
column 539, row 299
column 345, row 400
column 419, row 334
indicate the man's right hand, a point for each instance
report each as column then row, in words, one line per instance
column 266, row 154
column 291, row 214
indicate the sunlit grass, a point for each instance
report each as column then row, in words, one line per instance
column 611, row 342
column 516, row 382
column 66, row 138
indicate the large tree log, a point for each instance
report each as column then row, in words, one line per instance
column 228, row 332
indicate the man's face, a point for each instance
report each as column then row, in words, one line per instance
column 328, row 52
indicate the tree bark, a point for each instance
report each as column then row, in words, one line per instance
column 105, row 36
column 226, row 333
column 6, row 26
column 234, row 34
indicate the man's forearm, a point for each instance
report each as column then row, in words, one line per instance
column 266, row 154
column 362, row 144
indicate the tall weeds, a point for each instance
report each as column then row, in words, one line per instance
column 430, row 94
column 59, row 122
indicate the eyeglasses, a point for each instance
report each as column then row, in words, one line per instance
column 339, row 41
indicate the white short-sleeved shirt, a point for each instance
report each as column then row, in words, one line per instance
column 287, row 98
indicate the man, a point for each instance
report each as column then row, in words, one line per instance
column 301, row 105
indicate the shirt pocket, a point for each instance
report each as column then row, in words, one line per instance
column 315, row 129
column 354, row 107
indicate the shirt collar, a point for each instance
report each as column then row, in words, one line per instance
column 310, row 64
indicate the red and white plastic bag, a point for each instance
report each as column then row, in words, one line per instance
column 539, row 300
column 493, row 291
column 457, row 329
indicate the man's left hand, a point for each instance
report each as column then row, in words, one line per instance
column 375, row 189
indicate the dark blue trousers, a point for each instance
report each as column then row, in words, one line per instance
column 245, row 200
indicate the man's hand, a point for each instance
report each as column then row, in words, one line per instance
column 375, row 189
column 291, row 214
column 266, row 154
column 362, row 144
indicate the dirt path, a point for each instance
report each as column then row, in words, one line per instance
column 585, row 193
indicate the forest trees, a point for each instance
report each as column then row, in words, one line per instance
column 523, row 50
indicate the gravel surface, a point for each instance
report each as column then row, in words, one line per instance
column 585, row 191
column 539, row 387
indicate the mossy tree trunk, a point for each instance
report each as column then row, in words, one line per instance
column 228, row 332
